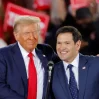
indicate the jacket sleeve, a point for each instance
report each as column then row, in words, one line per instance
column 49, row 52
column 5, row 90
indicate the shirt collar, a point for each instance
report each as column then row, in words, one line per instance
column 24, row 52
column 75, row 62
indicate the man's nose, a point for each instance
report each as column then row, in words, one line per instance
column 63, row 46
column 31, row 36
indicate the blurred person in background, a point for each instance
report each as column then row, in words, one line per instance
column 85, row 24
column 94, row 8
column 60, row 16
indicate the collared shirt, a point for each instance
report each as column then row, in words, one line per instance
column 75, row 68
column 39, row 69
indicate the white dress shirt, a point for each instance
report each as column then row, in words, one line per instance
column 39, row 69
column 75, row 68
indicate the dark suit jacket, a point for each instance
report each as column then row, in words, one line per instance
column 88, row 79
column 13, row 77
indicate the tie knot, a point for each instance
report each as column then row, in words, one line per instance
column 70, row 66
column 30, row 55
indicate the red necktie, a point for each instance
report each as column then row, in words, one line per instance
column 32, row 82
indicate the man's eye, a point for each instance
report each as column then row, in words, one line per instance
column 26, row 33
column 58, row 43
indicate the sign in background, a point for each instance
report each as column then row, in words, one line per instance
column 13, row 11
column 41, row 4
column 78, row 3
column 97, row 1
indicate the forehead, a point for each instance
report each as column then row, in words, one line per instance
column 29, row 24
column 65, row 36
column 33, row 26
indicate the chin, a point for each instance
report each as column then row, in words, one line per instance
column 62, row 59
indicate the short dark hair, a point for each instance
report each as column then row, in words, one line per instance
column 75, row 33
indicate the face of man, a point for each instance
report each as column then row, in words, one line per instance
column 67, row 50
column 27, row 36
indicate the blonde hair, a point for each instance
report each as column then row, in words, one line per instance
column 25, row 20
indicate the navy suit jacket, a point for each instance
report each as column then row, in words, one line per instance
column 88, row 79
column 13, row 77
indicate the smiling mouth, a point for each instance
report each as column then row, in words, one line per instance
column 30, row 42
column 63, row 52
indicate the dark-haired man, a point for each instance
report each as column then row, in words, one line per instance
column 76, row 76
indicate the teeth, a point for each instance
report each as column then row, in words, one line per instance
column 63, row 52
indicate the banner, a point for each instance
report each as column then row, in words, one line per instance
column 13, row 11
column 97, row 1
column 41, row 4
column 78, row 3
column 1, row 30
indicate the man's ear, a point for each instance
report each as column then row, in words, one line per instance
column 78, row 44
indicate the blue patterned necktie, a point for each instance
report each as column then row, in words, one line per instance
column 72, row 83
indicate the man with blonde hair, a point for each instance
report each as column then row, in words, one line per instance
column 23, row 65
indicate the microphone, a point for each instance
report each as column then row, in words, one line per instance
column 50, row 68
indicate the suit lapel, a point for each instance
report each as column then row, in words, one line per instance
column 63, row 80
column 83, row 69
column 19, row 62
column 21, row 66
column 44, row 61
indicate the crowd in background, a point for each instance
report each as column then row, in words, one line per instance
column 85, row 19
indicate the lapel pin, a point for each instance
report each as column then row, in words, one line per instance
column 84, row 67
column 44, row 56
